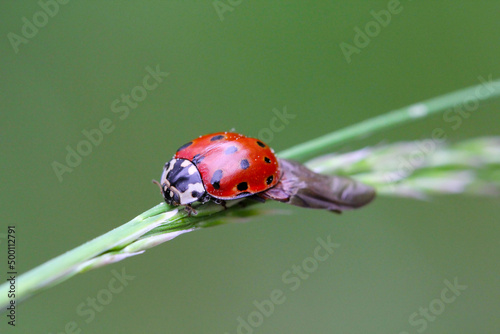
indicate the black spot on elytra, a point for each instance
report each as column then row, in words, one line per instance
column 197, row 159
column 269, row 180
column 244, row 164
column 231, row 150
column 242, row 186
column 219, row 137
column 184, row 146
column 267, row 160
column 261, row 144
column 216, row 177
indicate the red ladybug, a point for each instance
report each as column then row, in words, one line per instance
column 226, row 166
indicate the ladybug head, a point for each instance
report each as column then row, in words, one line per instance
column 181, row 182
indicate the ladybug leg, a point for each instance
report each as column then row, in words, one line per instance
column 205, row 198
column 190, row 211
column 221, row 202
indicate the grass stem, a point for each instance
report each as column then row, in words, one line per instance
column 162, row 223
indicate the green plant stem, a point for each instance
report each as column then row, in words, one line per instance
column 62, row 267
column 130, row 238
column 392, row 119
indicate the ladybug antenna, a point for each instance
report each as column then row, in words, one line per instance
column 158, row 184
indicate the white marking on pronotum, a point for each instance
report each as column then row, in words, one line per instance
column 163, row 179
column 187, row 196
column 185, row 163
column 170, row 165
column 418, row 110
column 192, row 170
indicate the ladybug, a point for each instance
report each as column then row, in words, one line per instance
column 226, row 166
column 220, row 166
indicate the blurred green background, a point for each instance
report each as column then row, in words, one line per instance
column 394, row 255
